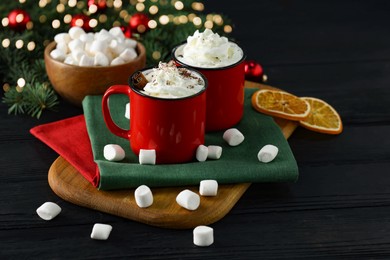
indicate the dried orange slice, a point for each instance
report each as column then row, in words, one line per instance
column 280, row 104
column 322, row 118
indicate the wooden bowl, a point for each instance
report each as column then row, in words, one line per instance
column 73, row 82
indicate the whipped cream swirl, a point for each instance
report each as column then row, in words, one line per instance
column 209, row 50
column 169, row 81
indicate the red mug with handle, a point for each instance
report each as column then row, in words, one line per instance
column 225, row 92
column 173, row 127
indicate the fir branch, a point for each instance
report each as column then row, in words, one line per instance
column 39, row 97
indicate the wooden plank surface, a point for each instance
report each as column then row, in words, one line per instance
column 70, row 185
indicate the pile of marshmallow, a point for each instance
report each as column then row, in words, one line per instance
column 103, row 48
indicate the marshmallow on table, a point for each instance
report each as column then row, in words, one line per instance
column 203, row 236
column 147, row 156
column 214, row 152
column 101, row 231
column 201, row 153
column 48, row 210
column 208, row 188
column 127, row 112
column 267, row 153
column 233, row 136
column 113, row 152
column 188, row 199
column 143, row 196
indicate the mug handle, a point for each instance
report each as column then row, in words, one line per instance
column 114, row 128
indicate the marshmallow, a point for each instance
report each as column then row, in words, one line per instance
column 117, row 61
column 62, row 38
column 88, row 37
column 101, row 231
column 188, row 199
column 62, row 46
column 202, row 153
column 208, row 188
column 143, row 196
column 101, row 60
column 233, row 136
column 203, row 236
column 58, row 55
column 215, row 152
column 116, row 47
column 86, row 61
column 98, row 46
column 76, row 44
column 130, row 43
column 127, row 112
column 75, row 32
column 128, row 55
column 76, row 54
column 48, row 210
column 69, row 60
column 113, row 152
column 103, row 35
column 117, row 32
column 267, row 153
column 147, row 156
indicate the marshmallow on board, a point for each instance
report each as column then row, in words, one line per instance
column 188, row 199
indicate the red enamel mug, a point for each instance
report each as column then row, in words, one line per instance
column 174, row 127
column 225, row 92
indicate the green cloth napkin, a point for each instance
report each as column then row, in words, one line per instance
column 237, row 164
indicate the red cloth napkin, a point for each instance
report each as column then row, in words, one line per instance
column 69, row 138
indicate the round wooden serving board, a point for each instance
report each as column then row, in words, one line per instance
column 71, row 186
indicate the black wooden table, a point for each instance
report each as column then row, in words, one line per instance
column 338, row 51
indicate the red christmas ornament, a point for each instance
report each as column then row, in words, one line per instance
column 100, row 4
column 18, row 19
column 126, row 31
column 253, row 71
column 81, row 20
column 139, row 23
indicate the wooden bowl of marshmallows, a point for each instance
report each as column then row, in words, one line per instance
column 80, row 64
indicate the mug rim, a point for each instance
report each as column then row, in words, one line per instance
column 173, row 56
column 139, row 92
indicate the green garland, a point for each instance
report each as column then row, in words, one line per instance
column 26, row 62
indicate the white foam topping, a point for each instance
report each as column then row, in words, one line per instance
column 169, row 81
column 209, row 50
